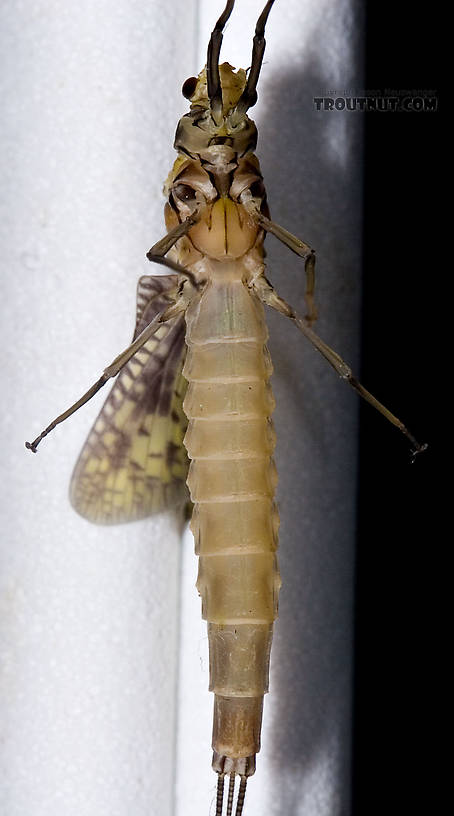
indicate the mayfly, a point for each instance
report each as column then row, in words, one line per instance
column 196, row 377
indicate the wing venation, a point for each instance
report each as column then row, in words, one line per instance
column 133, row 463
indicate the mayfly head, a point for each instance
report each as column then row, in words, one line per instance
column 221, row 96
column 216, row 176
column 201, row 129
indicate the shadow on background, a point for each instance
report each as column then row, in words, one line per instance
column 316, row 194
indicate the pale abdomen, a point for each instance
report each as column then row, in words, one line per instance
column 232, row 479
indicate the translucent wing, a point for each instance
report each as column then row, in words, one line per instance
column 133, row 463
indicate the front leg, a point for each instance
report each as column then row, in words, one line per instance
column 297, row 246
column 159, row 250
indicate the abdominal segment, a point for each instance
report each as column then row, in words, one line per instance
column 232, row 479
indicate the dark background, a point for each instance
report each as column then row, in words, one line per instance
column 398, row 549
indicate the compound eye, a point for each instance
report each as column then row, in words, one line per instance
column 183, row 192
column 189, row 87
column 257, row 189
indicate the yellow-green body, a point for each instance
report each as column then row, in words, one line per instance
column 230, row 437
column 232, row 478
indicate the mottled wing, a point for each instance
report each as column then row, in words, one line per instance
column 133, row 463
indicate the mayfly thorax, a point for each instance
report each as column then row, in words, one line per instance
column 194, row 384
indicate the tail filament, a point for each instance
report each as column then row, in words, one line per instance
column 231, row 795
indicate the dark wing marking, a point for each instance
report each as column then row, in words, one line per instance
column 133, row 463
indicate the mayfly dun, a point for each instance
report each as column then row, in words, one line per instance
column 194, row 386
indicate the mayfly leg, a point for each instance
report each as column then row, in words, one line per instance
column 111, row 371
column 271, row 298
column 157, row 254
column 296, row 245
